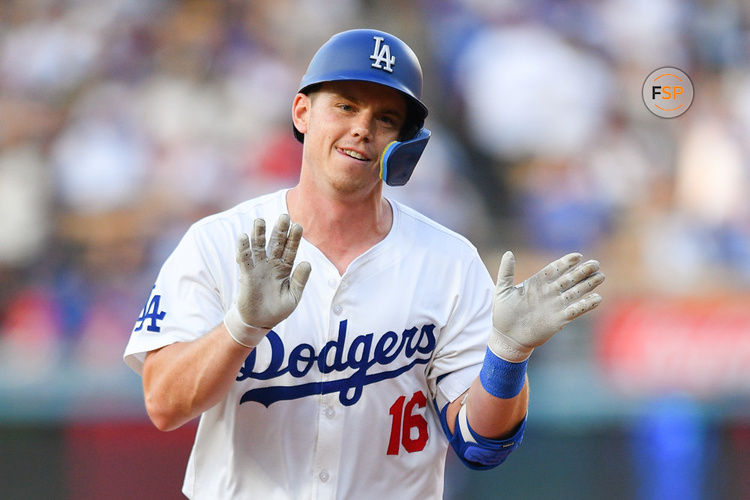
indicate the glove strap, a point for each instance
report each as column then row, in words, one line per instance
column 242, row 333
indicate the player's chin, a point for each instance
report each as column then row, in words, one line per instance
column 355, row 182
column 357, row 170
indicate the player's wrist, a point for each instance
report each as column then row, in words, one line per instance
column 244, row 334
column 502, row 378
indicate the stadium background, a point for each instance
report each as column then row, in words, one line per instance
column 121, row 122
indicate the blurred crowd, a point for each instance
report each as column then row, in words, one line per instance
column 122, row 122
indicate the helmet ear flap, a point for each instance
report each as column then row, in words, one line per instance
column 400, row 158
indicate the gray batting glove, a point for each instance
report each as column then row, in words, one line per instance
column 269, row 291
column 529, row 314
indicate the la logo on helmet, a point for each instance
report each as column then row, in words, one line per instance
column 382, row 55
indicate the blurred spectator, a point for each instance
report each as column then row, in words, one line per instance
column 101, row 157
column 529, row 93
column 24, row 205
column 562, row 209
column 641, row 32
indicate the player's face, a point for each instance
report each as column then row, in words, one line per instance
column 347, row 125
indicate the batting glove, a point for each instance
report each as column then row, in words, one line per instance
column 268, row 291
column 529, row 314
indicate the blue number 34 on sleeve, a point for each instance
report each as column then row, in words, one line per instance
column 150, row 312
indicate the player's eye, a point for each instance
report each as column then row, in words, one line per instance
column 345, row 107
column 388, row 120
column 391, row 121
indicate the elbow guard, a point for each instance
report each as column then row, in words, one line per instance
column 475, row 451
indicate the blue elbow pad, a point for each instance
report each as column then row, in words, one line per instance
column 478, row 452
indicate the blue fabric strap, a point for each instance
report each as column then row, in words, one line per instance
column 501, row 378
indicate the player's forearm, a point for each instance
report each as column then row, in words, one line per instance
column 493, row 417
column 182, row 380
column 490, row 416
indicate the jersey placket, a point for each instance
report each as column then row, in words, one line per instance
column 330, row 411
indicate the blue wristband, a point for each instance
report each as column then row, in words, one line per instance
column 501, row 378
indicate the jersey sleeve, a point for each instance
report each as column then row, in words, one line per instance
column 463, row 341
column 185, row 302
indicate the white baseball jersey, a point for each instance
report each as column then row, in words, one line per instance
column 336, row 401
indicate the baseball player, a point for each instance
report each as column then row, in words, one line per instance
column 344, row 364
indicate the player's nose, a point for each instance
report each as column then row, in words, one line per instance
column 362, row 125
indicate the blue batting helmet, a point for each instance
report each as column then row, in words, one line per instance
column 376, row 56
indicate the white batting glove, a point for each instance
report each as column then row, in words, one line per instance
column 268, row 291
column 528, row 315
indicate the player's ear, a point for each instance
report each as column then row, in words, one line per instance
column 301, row 112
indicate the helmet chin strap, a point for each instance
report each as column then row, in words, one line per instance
column 400, row 157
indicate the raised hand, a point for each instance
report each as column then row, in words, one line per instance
column 527, row 315
column 268, row 289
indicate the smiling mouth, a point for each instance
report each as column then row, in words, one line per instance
column 353, row 154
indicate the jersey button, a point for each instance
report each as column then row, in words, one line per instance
column 330, row 412
column 337, row 309
column 323, row 475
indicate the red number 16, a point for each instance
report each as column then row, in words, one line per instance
column 410, row 421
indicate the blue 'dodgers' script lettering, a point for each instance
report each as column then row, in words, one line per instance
column 360, row 357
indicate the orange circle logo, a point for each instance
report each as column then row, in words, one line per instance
column 668, row 92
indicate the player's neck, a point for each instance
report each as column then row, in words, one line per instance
column 342, row 227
